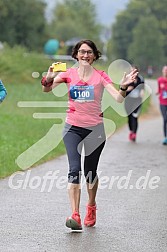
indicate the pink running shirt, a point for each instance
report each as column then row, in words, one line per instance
column 84, row 103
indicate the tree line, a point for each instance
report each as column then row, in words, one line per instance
column 137, row 35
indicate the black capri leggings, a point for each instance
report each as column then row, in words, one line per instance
column 93, row 140
column 133, row 110
column 163, row 109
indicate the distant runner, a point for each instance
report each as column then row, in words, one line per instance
column 162, row 92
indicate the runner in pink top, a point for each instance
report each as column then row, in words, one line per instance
column 162, row 92
column 84, row 123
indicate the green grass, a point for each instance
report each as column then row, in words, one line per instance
column 19, row 130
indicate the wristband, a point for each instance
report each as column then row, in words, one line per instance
column 123, row 89
column 45, row 83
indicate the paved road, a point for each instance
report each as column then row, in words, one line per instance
column 132, row 200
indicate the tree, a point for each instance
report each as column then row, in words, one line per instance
column 22, row 23
column 159, row 10
column 75, row 18
column 126, row 22
column 122, row 28
column 147, row 46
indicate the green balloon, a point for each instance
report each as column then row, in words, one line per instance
column 51, row 46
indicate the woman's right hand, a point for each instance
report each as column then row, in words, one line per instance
column 51, row 74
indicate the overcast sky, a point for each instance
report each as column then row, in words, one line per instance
column 106, row 9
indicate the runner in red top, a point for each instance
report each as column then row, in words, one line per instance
column 162, row 92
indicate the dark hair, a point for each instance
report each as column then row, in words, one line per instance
column 91, row 44
column 136, row 67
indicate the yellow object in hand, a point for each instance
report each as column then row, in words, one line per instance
column 59, row 67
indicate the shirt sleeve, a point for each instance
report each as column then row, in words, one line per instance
column 3, row 91
column 105, row 79
column 159, row 81
column 65, row 75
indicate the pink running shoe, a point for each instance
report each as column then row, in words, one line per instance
column 130, row 136
column 90, row 218
column 133, row 137
column 74, row 221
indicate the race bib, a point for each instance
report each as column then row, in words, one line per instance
column 82, row 93
column 164, row 94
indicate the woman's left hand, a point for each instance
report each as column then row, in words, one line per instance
column 129, row 78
